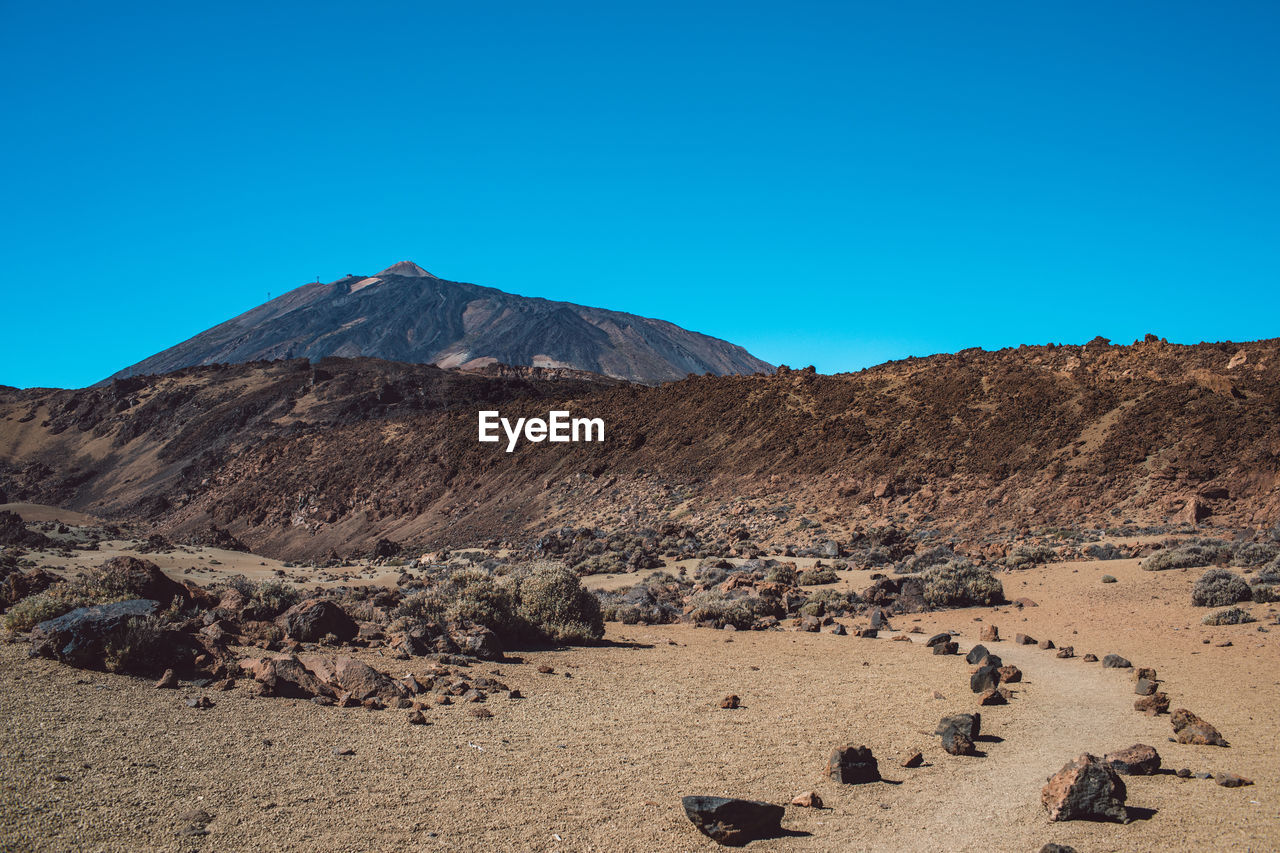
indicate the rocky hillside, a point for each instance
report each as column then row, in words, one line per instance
column 405, row 313
column 297, row 459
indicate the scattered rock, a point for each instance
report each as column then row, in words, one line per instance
column 1231, row 780
column 912, row 759
column 959, row 732
column 1024, row 602
column 733, row 822
column 168, row 681
column 1137, row 760
column 731, row 701
column 1090, row 658
column 1183, row 773
column 416, row 718
column 986, row 678
column 839, row 630
column 853, row 765
column 948, row 648
column 990, row 634
column 868, row 633
column 479, row 711
column 1146, row 672
column 937, row 639
column 1086, row 788
column 1024, row 640
column 1010, row 674
column 200, row 703
column 545, row 670
column 994, row 697
column 1153, row 704
column 1115, row 662
column 1188, row 728
column 1046, row 644
column 977, row 654
column 1144, row 687
column 807, row 800
column 1066, row 652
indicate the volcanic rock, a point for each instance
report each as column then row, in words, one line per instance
column 853, row 765
column 1137, row 760
column 313, row 619
column 1086, row 788
column 1188, row 728
column 733, row 822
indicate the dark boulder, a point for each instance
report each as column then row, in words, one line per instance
column 98, row 637
column 734, row 822
column 986, row 678
column 1086, row 788
column 959, row 731
column 313, row 619
column 1115, row 662
column 853, row 765
column 141, row 579
column 1188, row 728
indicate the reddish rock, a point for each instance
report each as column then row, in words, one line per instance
column 807, row 800
column 316, row 618
column 168, row 681
column 1152, row 704
column 731, row 701
column 1010, row 674
column 1137, row 760
column 1090, row 658
column 1231, row 780
column 990, row 634
column 480, row 711
column 1046, row 644
column 285, row 677
column 1066, row 652
column 912, row 759
column 1188, row 728
column 1024, row 640
column 1086, row 788
column 993, row 697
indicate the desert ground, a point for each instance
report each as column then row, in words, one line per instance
column 599, row 752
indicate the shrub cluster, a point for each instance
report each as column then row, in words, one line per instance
column 817, row 577
column 1220, row 588
column 959, row 583
column 1190, row 555
column 1230, row 616
column 522, row 607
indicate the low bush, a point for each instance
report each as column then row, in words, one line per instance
column 830, row 602
column 960, row 583
column 1191, row 555
column 1252, row 554
column 553, row 602
column 50, row 604
column 1230, row 616
column 1220, row 588
column 734, row 608
column 1105, row 551
column 817, row 577
column 1026, row 556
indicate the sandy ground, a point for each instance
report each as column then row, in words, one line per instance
column 599, row 760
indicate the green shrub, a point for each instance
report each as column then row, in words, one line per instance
column 601, row 564
column 553, row 602
column 1254, row 554
column 959, row 583
column 1219, row 588
column 1230, row 616
column 817, row 577
column 34, row 609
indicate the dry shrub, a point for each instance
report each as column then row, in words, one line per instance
column 1219, row 588
column 959, row 583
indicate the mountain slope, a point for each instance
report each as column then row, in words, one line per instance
column 405, row 313
column 298, row 459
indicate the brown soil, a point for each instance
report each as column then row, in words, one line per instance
column 599, row 760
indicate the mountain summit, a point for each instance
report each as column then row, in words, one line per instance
column 405, row 313
column 406, row 268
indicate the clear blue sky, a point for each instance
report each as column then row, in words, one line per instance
column 833, row 184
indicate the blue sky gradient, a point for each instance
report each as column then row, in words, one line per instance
column 835, row 184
